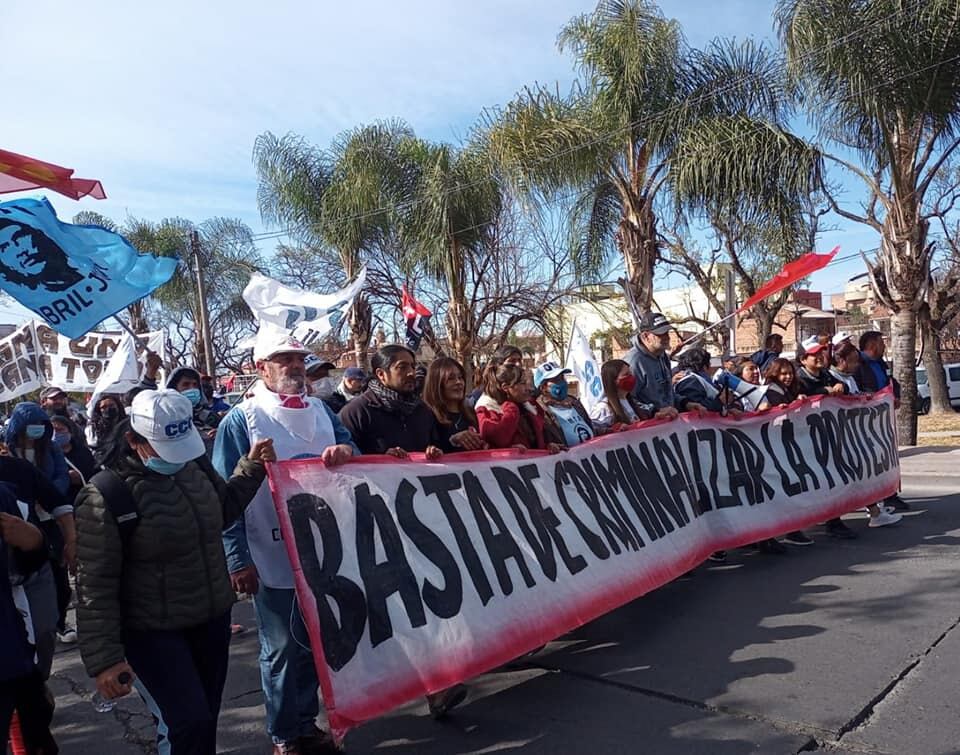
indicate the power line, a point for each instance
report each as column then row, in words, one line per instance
column 628, row 127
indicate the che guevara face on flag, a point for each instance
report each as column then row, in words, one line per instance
column 73, row 276
column 28, row 257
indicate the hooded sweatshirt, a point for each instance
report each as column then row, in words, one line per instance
column 654, row 380
column 51, row 462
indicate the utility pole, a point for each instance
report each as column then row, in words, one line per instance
column 731, row 291
column 210, row 367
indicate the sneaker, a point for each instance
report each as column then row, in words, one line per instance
column 68, row 636
column 442, row 703
column 797, row 538
column 837, row 529
column 718, row 557
column 771, row 546
column 884, row 518
column 898, row 503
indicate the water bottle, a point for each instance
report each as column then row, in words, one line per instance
column 101, row 704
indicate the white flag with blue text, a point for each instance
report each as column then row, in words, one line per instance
column 306, row 316
column 581, row 360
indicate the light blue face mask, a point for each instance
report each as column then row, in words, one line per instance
column 193, row 394
column 35, row 432
column 558, row 390
column 158, row 465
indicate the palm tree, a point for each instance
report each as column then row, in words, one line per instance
column 882, row 79
column 649, row 116
column 452, row 202
column 343, row 199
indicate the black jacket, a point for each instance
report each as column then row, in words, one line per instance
column 376, row 428
column 809, row 385
column 16, row 658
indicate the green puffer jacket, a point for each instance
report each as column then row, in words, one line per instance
column 174, row 573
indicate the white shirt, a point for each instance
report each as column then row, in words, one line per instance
column 603, row 417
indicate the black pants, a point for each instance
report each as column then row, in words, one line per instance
column 181, row 676
column 62, row 581
column 27, row 697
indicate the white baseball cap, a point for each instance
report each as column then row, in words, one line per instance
column 840, row 337
column 272, row 341
column 165, row 418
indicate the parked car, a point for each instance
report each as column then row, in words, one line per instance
column 952, row 375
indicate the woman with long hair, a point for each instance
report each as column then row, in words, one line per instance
column 506, row 415
column 781, row 377
column 444, row 391
column 617, row 408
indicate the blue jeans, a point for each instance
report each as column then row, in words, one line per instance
column 287, row 673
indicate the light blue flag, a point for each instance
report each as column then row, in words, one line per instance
column 73, row 276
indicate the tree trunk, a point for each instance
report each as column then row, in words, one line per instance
column 936, row 380
column 904, row 353
column 137, row 317
column 361, row 330
column 637, row 240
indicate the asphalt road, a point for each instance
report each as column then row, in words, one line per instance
column 846, row 647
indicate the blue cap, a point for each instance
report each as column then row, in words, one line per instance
column 354, row 373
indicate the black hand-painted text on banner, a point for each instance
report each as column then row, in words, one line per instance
column 414, row 576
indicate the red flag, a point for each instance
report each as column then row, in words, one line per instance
column 791, row 273
column 417, row 318
column 20, row 173
column 411, row 307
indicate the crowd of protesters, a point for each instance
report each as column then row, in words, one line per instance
column 157, row 502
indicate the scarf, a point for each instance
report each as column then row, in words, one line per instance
column 398, row 403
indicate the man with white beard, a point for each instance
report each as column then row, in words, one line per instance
column 279, row 407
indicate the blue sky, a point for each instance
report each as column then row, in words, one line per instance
column 162, row 102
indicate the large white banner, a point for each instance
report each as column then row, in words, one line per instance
column 35, row 355
column 413, row 576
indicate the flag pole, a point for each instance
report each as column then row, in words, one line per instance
column 573, row 327
column 136, row 339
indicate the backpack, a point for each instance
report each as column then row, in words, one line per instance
column 120, row 503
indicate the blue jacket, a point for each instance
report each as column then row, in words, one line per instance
column 233, row 442
column 654, row 380
column 52, row 463
column 763, row 358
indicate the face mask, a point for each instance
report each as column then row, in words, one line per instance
column 158, row 465
column 558, row 391
column 627, row 383
column 35, row 432
column 323, row 387
column 61, row 439
column 193, row 394
column 109, row 413
column 208, row 391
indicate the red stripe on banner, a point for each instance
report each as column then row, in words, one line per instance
column 514, row 640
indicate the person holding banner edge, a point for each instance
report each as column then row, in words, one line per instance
column 617, row 409
column 650, row 365
column 300, row 426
